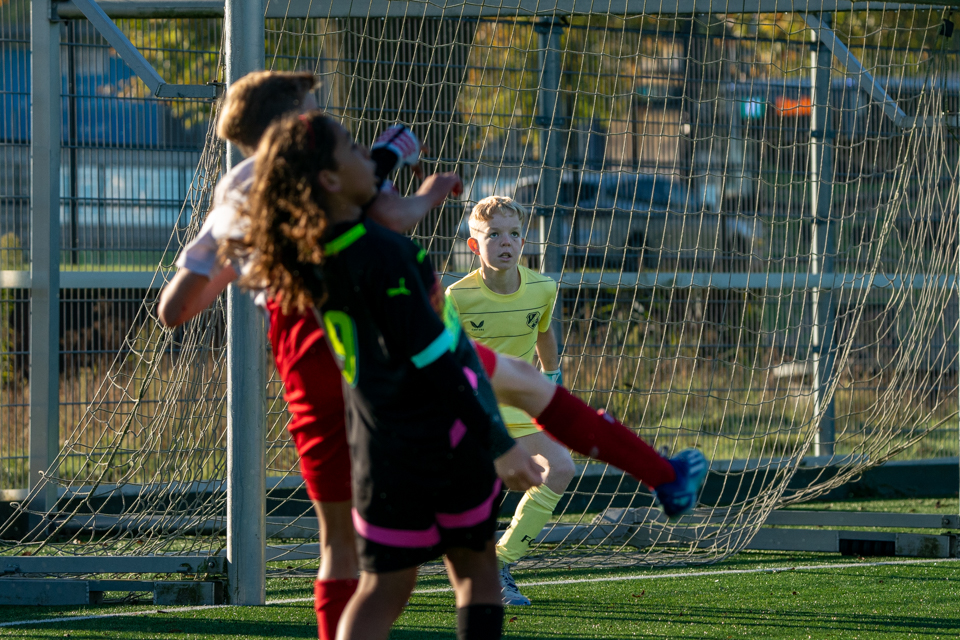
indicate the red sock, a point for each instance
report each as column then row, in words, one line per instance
column 330, row 598
column 598, row 435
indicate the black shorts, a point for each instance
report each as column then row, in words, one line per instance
column 405, row 517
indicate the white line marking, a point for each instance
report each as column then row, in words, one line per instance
column 694, row 574
column 544, row 583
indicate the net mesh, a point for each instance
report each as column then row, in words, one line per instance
column 708, row 296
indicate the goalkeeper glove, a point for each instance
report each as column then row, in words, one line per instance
column 555, row 377
column 396, row 147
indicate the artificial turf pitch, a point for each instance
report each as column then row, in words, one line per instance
column 751, row 595
column 787, row 600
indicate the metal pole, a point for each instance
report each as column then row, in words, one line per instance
column 246, row 365
column 72, row 137
column 44, row 251
column 549, row 120
column 823, row 244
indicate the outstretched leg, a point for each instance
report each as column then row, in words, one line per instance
column 595, row 434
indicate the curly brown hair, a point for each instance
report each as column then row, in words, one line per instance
column 285, row 211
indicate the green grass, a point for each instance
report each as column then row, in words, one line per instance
column 944, row 506
column 854, row 602
column 786, row 600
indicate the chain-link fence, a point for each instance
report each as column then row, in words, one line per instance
column 685, row 153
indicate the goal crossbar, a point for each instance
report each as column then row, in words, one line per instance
column 482, row 8
column 100, row 13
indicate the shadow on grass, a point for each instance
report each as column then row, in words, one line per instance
column 216, row 624
column 555, row 619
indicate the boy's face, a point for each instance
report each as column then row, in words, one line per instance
column 498, row 241
column 355, row 179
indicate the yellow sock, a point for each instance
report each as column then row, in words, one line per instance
column 534, row 511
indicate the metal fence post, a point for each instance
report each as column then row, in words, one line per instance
column 823, row 244
column 548, row 120
column 44, row 250
column 246, row 365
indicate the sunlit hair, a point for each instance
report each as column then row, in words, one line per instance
column 284, row 214
column 256, row 100
column 484, row 211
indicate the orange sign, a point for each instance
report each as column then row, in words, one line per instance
column 792, row 108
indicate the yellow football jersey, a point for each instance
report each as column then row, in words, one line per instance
column 508, row 324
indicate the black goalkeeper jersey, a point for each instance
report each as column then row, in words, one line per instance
column 381, row 321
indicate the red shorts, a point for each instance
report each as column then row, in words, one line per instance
column 314, row 395
column 488, row 358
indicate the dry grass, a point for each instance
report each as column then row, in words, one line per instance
column 663, row 370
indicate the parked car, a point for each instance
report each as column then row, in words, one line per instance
column 622, row 220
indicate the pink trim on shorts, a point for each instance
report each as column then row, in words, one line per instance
column 471, row 376
column 406, row 538
column 457, row 431
column 471, row 517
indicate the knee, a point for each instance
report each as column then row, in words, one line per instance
column 560, row 472
column 529, row 378
column 392, row 594
column 523, row 367
column 521, row 374
column 521, row 385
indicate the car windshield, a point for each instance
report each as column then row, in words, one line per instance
column 630, row 191
column 594, row 190
column 659, row 192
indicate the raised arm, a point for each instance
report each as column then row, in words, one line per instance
column 401, row 214
column 201, row 276
column 190, row 293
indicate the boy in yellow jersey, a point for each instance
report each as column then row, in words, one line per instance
column 509, row 308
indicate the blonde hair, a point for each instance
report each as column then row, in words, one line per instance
column 256, row 100
column 484, row 210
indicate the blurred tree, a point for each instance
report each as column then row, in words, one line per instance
column 183, row 51
column 11, row 259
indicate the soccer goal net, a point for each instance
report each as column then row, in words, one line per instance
column 752, row 218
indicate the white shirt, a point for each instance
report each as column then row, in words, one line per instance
column 200, row 255
column 222, row 223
